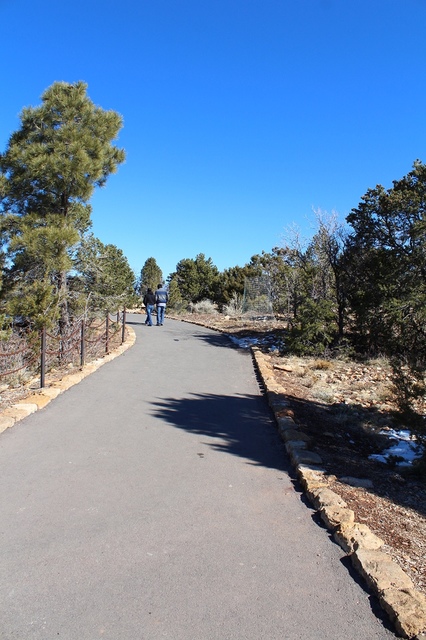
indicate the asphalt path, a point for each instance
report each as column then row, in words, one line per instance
column 154, row 500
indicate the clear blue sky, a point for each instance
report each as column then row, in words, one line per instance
column 240, row 116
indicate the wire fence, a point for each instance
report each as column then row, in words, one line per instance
column 28, row 354
column 257, row 300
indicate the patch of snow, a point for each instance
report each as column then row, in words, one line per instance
column 244, row 343
column 405, row 446
column 249, row 341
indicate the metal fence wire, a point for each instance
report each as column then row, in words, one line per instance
column 31, row 353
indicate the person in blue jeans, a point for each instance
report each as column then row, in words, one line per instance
column 149, row 302
column 161, row 300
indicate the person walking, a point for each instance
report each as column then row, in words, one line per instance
column 149, row 302
column 161, row 300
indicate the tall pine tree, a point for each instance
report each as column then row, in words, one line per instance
column 52, row 164
column 151, row 276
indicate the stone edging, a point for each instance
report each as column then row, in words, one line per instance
column 405, row 606
column 38, row 399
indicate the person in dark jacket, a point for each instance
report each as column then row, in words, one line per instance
column 161, row 300
column 149, row 302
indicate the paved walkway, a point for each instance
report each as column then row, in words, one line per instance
column 153, row 500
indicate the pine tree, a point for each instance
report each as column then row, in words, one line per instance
column 52, row 164
column 151, row 276
column 103, row 276
column 385, row 258
column 198, row 279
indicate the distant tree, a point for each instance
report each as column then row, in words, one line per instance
column 314, row 285
column 176, row 301
column 150, row 276
column 197, row 279
column 274, row 266
column 231, row 282
column 62, row 151
column 289, row 283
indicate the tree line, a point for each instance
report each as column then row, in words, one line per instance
column 357, row 288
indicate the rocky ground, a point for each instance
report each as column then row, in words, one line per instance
column 347, row 408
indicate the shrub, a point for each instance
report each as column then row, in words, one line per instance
column 204, row 306
column 234, row 306
column 322, row 364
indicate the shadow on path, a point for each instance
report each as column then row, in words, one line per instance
column 216, row 339
column 239, row 425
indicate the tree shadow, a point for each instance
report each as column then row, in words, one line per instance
column 216, row 339
column 345, row 436
column 239, row 425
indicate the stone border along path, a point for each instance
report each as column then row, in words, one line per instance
column 405, row 606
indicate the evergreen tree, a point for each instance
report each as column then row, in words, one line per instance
column 176, row 301
column 315, row 287
column 231, row 282
column 62, row 151
column 197, row 278
column 386, row 260
column 151, row 276
column 103, row 276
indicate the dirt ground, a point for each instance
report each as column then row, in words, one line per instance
column 345, row 407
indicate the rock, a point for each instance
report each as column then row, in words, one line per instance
column 6, row 422
column 355, row 536
column 379, row 571
column 363, row 483
column 407, row 610
column 283, row 367
column 335, row 516
column 310, row 476
column 69, row 381
column 294, row 434
column 285, row 423
column 18, row 412
column 277, row 403
column 294, row 446
column 301, row 456
column 51, row 392
column 322, row 497
column 27, row 406
column 39, row 399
